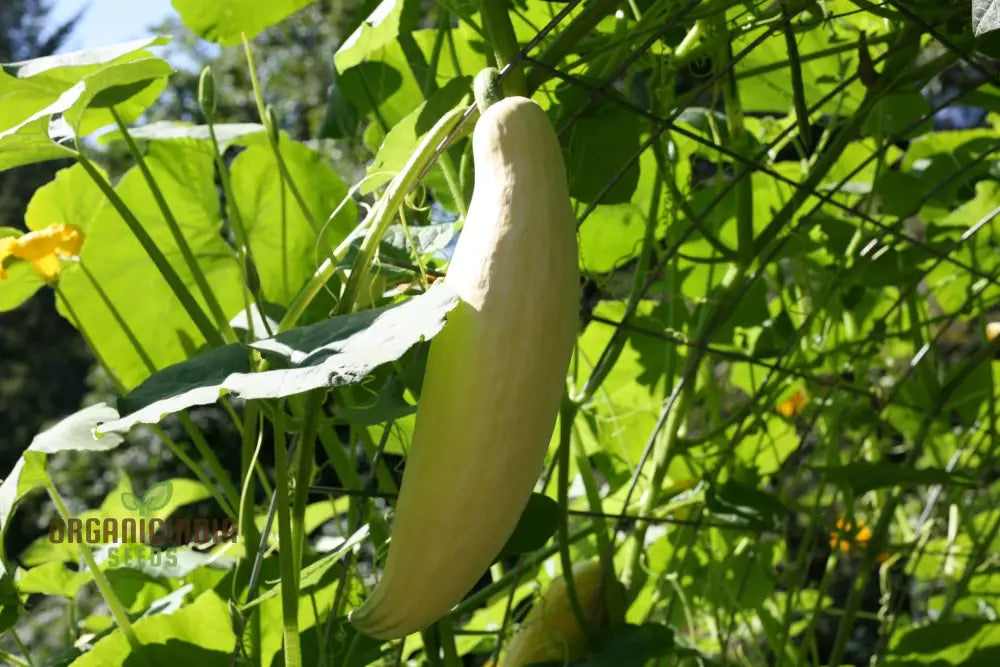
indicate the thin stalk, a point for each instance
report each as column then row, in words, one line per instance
column 273, row 135
column 562, row 486
column 13, row 659
column 21, row 646
column 798, row 87
column 305, row 452
column 432, row 646
column 496, row 20
column 174, row 448
column 743, row 191
column 447, row 636
column 180, row 290
column 242, row 240
column 221, row 321
column 385, row 209
column 232, row 495
column 251, row 441
column 118, row 611
column 286, row 549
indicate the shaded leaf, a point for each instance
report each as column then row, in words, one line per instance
column 340, row 351
column 746, row 505
column 537, row 524
column 863, row 476
column 632, row 646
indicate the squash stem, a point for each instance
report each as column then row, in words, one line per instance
column 487, row 89
column 496, row 20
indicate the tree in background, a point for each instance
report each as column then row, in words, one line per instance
column 35, row 341
column 295, row 66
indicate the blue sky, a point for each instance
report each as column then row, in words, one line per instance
column 109, row 21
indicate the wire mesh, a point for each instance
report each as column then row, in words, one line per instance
column 900, row 365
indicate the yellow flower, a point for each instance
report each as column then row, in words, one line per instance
column 792, row 405
column 43, row 248
column 848, row 535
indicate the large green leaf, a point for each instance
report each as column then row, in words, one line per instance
column 286, row 247
column 197, row 634
column 79, row 87
column 405, row 135
column 764, row 72
column 224, row 20
column 72, row 433
column 122, row 271
column 970, row 643
column 341, row 350
column 863, row 476
column 382, row 27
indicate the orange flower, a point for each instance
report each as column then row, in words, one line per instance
column 847, row 535
column 43, row 248
column 992, row 331
column 792, row 405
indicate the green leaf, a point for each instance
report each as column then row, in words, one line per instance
column 29, row 145
column 222, row 21
column 892, row 114
column 969, row 642
column 764, row 72
column 612, row 234
column 382, row 27
column 599, row 146
column 746, row 505
column 286, row 248
column 166, row 130
column 101, row 55
column 197, row 634
column 154, row 327
column 34, row 91
column 72, row 433
column 537, row 524
column 53, row 578
column 340, row 351
column 632, row 646
column 315, row 573
column 863, row 476
column 196, row 381
column 405, row 135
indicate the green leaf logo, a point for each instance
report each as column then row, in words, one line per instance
column 155, row 498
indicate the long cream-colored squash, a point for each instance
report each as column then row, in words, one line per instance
column 494, row 377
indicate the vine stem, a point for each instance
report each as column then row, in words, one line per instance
column 221, row 321
column 286, row 551
column 180, row 290
column 273, row 138
column 496, row 20
column 387, row 206
column 118, row 611
column 566, row 412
